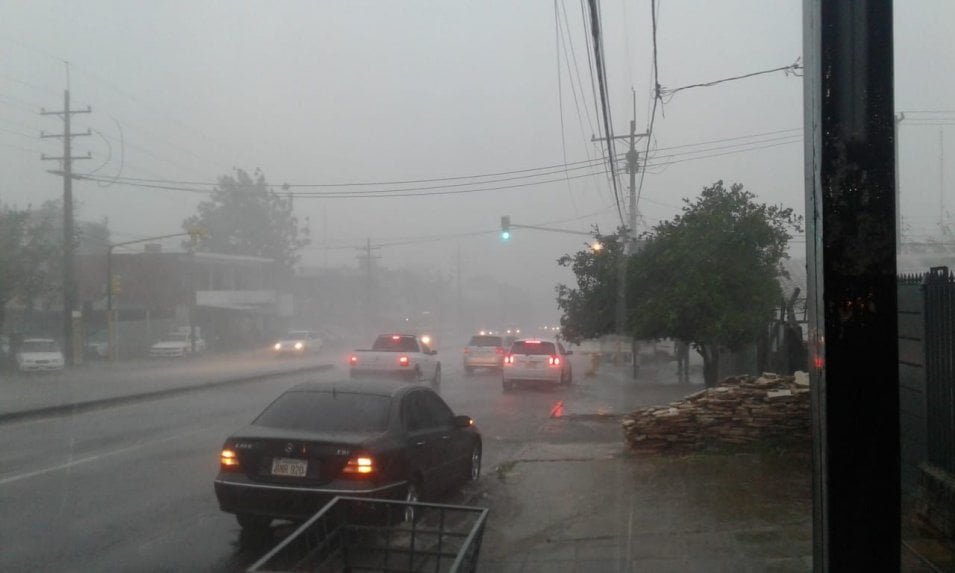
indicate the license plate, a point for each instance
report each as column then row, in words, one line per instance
column 289, row 467
column 532, row 364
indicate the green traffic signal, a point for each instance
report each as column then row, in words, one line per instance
column 505, row 227
column 505, row 235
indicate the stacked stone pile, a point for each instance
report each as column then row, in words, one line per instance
column 742, row 410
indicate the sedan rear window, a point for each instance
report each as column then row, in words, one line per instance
column 327, row 412
column 534, row 348
column 485, row 341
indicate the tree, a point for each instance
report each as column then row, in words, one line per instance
column 30, row 253
column 244, row 216
column 710, row 275
column 589, row 311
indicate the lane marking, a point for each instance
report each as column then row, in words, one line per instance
column 72, row 463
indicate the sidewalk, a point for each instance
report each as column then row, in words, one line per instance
column 100, row 383
column 594, row 507
column 575, row 499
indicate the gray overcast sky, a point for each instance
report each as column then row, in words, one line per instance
column 318, row 92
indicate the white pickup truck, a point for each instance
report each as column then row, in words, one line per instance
column 403, row 356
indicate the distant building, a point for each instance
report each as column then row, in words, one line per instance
column 237, row 301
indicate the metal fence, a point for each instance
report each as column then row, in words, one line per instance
column 359, row 534
column 939, row 343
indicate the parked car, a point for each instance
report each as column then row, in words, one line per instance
column 534, row 359
column 357, row 438
column 297, row 343
column 177, row 344
column 484, row 351
column 39, row 355
column 402, row 356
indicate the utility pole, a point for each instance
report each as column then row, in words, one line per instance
column 630, row 239
column 633, row 167
column 69, row 288
column 459, row 313
column 367, row 259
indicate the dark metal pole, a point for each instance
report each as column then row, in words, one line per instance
column 109, row 302
column 68, row 289
column 851, row 246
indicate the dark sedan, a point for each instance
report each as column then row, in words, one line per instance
column 356, row 438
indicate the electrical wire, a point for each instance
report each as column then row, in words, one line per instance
column 560, row 101
column 604, row 102
column 352, row 195
column 656, row 99
column 792, row 68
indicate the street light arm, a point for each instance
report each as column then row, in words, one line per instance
column 551, row 229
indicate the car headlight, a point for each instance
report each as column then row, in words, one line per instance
column 299, row 346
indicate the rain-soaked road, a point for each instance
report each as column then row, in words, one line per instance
column 129, row 488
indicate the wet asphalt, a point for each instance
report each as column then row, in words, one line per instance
column 129, row 488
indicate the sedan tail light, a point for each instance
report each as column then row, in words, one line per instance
column 554, row 360
column 360, row 466
column 228, row 461
column 499, row 350
column 353, row 360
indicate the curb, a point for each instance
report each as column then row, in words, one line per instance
column 102, row 403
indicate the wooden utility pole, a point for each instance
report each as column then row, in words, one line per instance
column 69, row 287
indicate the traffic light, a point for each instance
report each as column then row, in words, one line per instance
column 505, row 227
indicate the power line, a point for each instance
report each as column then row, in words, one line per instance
column 667, row 163
column 604, row 101
column 792, row 68
column 352, row 195
column 560, row 101
column 656, row 97
column 549, row 169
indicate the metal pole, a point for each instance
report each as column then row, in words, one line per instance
column 851, row 263
column 109, row 304
column 68, row 301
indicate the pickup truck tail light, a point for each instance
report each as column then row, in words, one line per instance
column 404, row 361
column 554, row 360
column 509, row 359
column 352, row 360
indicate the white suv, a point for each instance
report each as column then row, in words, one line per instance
column 535, row 359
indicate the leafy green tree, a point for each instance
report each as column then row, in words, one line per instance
column 244, row 216
column 710, row 275
column 30, row 253
column 589, row 310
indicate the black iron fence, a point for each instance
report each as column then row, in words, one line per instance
column 939, row 344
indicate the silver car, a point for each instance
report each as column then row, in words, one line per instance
column 484, row 351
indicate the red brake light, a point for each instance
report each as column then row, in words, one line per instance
column 509, row 359
column 500, row 350
column 532, row 342
column 554, row 361
column 404, row 360
column 228, row 461
column 359, row 466
column 353, row 360
column 396, row 337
